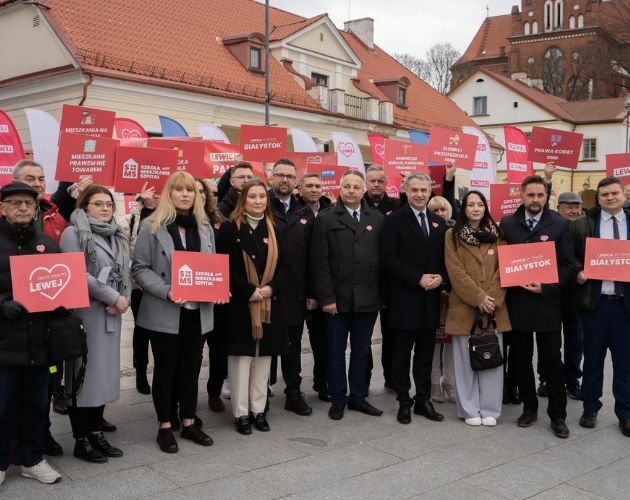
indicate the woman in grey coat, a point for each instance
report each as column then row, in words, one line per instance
column 95, row 233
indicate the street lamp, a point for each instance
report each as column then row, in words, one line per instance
column 627, row 121
column 267, row 64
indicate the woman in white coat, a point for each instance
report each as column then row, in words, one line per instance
column 95, row 233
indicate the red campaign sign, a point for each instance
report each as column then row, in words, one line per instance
column 130, row 203
column 607, row 259
column 304, row 160
column 330, row 175
column 11, row 150
column 528, row 263
column 86, row 157
column 618, row 165
column 400, row 158
column 218, row 158
column 135, row 166
column 557, row 146
column 447, row 144
column 516, row 155
column 189, row 153
column 200, row 277
column 504, row 200
column 87, row 121
column 437, row 174
column 377, row 147
column 45, row 282
column 126, row 128
column 263, row 143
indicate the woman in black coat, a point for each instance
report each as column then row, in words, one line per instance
column 256, row 313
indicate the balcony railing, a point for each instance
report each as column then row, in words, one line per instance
column 357, row 107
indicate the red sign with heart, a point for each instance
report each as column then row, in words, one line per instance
column 45, row 282
column 304, row 160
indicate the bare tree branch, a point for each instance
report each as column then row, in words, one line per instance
column 435, row 69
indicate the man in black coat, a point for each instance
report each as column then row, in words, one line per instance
column 239, row 175
column 344, row 258
column 538, row 307
column 294, row 220
column 412, row 257
column 23, row 354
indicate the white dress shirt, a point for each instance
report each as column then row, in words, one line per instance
column 606, row 233
column 426, row 218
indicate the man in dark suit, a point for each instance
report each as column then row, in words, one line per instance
column 604, row 308
column 344, row 258
column 294, row 221
column 538, row 307
column 412, row 257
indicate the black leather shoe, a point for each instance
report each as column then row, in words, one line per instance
column 527, row 418
column 196, row 435
column 588, row 419
column 404, row 413
column 99, row 443
column 108, row 427
column 426, row 409
column 142, row 383
column 84, row 450
column 542, row 390
column 260, row 422
column 242, row 425
column 216, row 404
column 323, row 396
column 51, row 447
column 624, row 425
column 559, row 428
column 365, row 407
column 166, row 441
column 574, row 392
column 297, row 405
column 336, row 412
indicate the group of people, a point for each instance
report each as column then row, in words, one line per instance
column 427, row 265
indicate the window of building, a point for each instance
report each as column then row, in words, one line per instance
column 589, row 150
column 534, row 27
column 553, row 71
column 480, row 105
column 548, row 15
column 580, row 21
column 526, row 29
column 558, row 14
column 571, row 22
column 319, row 79
column 255, row 59
column 402, row 96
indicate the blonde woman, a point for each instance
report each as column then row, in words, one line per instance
column 176, row 329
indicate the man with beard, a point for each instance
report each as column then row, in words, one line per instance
column 538, row 307
column 240, row 174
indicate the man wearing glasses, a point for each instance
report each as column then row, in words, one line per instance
column 241, row 173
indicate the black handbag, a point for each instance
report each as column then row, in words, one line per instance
column 65, row 337
column 484, row 349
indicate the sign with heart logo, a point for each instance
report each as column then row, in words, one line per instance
column 346, row 149
column 45, row 282
column 304, row 161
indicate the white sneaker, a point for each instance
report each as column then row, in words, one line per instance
column 474, row 421
column 3, row 475
column 43, row 472
column 225, row 390
column 489, row 421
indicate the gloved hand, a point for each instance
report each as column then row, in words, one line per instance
column 12, row 309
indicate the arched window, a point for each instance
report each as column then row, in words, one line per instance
column 571, row 22
column 548, row 16
column 534, row 27
column 526, row 29
column 553, row 71
column 580, row 21
column 558, row 14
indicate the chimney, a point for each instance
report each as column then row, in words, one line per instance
column 363, row 28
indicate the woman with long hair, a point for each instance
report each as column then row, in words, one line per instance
column 256, row 313
column 95, row 233
column 176, row 329
column 472, row 262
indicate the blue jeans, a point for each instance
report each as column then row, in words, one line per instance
column 607, row 327
column 360, row 325
column 23, row 394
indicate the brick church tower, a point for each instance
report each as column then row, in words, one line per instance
column 574, row 49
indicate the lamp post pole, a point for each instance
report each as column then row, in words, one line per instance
column 267, row 91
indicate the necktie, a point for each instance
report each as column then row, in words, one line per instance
column 530, row 224
column 287, row 204
column 355, row 215
column 618, row 284
column 423, row 225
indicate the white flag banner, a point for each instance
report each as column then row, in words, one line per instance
column 44, row 130
column 302, row 142
column 348, row 151
column 212, row 133
column 484, row 172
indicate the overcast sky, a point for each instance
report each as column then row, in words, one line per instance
column 407, row 25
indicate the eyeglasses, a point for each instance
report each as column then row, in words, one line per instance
column 289, row 177
column 101, row 204
column 18, row 203
column 241, row 177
